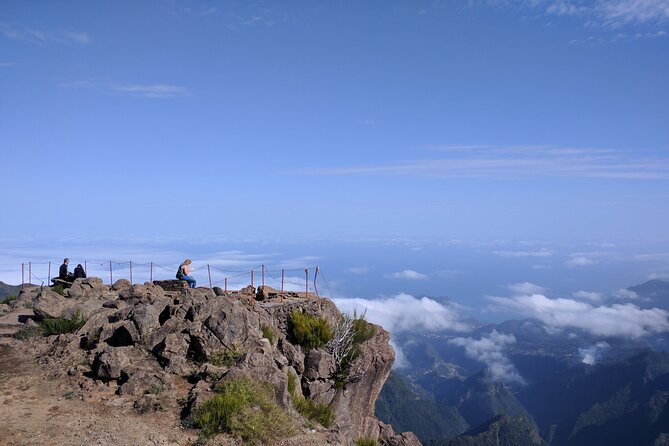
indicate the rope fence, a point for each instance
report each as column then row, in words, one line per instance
column 284, row 280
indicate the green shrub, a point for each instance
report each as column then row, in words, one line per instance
column 309, row 331
column 155, row 389
column 225, row 358
column 27, row 332
column 244, row 408
column 61, row 325
column 309, row 409
column 58, row 289
column 268, row 333
column 10, row 299
column 364, row 441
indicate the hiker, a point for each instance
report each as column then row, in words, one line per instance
column 184, row 271
column 79, row 272
column 63, row 274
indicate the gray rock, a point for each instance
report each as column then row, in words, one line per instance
column 121, row 284
column 109, row 363
column 219, row 291
column 172, row 352
column 171, row 285
column 318, row 364
column 49, row 304
column 294, row 355
column 234, row 325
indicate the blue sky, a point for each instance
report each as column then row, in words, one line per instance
column 124, row 125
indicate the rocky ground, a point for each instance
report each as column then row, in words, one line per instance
column 141, row 362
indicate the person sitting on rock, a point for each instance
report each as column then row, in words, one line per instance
column 79, row 272
column 184, row 271
column 63, row 274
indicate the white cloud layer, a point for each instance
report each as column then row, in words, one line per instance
column 621, row 320
column 590, row 355
column 490, row 351
column 589, row 295
column 520, row 289
column 408, row 274
column 406, row 313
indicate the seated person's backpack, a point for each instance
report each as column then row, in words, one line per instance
column 180, row 273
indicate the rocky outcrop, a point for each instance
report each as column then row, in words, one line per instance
column 142, row 339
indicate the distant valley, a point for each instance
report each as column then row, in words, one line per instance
column 560, row 387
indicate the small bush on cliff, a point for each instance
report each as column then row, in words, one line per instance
column 9, row 299
column 310, row 409
column 268, row 333
column 61, row 325
column 225, row 358
column 246, row 409
column 345, row 346
column 365, row 442
column 58, row 289
column 309, row 331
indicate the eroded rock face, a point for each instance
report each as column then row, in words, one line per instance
column 354, row 407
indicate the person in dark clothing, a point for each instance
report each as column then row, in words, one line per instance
column 79, row 272
column 62, row 273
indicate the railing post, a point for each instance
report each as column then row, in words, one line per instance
column 111, row 276
column 226, row 285
column 85, row 267
column 30, row 273
column 251, row 277
column 131, row 272
column 282, row 278
column 306, row 282
column 315, row 276
column 209, row 271
column 263, row 275
column 23, row 268
column 49, row 277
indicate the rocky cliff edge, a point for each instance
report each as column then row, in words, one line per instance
column 154, row 347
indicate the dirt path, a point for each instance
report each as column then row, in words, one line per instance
column 36, row 410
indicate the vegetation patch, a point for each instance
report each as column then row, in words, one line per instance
column 147, row 405
column 268, row 333
column 365, row 442
column 55, row 326
column 246, row 409
column 10, row 299
column 58, row 289
column 27, row 332
column 225, row 358
column 309, row 331
column 309, row 409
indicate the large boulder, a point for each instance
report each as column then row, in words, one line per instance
column 234, row 325
column 49, row 304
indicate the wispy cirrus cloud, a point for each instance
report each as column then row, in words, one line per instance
column 458, row 161
column 151, row 91
column 515, row 254
column 408, row 274
column 44, row 37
